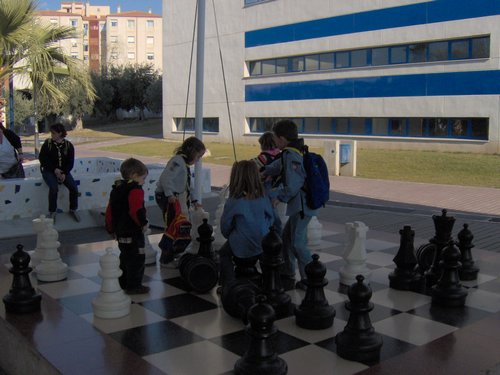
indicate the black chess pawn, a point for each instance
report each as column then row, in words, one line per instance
column 314, row 312
column 205, row 239
column 405, row 276
column 22, row 297
column 448, row 291
column 359, row 341
column 199, row 271
column 260, row 357
column 270, row 263
column 238, row 295
column 468, row 271
column 444, row 226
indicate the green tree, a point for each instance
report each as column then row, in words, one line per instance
column 133, row 85
column 153, row 97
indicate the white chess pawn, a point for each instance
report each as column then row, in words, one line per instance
column 314, row 232
column 354, row 254
column 111, row 302
column 148, row 249
column 50, row 266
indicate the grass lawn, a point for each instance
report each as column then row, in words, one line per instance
column 417, row 166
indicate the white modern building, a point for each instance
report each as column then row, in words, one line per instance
column 405, row 74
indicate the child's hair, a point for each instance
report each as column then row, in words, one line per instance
column 191, row 147
column 132, row 167
column 245, row 180
column 287, row 129
column 59, row 128
column 266, row 141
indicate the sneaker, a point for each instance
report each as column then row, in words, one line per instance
column 75, row 215
column 301, row 285
column 52, row 215
column 142, row 289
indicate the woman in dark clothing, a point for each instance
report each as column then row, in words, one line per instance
column 57, row 157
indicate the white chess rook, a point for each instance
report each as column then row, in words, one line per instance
column 354, row 254
column 50, row 266
column 111, row 302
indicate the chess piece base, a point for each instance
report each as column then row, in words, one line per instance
column 24, row 306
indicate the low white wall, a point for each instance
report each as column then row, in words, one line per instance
column 94, row 176
column 28, row 197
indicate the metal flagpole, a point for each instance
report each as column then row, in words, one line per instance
column 198, row 123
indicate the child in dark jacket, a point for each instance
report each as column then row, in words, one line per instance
column 57, row 157
column 246, row 219
column 126, row 220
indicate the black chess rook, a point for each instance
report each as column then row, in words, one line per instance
column 22, row 297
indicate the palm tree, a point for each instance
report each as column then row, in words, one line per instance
column 29, row 49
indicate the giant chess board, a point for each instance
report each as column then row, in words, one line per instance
column 174, row 331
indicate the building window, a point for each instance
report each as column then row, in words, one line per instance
column 444, row 50
column 113, row 56
column 131, row 39
column 150, row 40
column 114, row 23
column 131, row 55
column 359, row 58
column 54, row 21
column 113, row 39
column 74, row 55
column 480, row 48
column 150, row 56
column 380, row 56
column 85, row 29
column 85, row 47
column 150, row 24
column 74, row 43
column 452, row 128
column 130, row 24
column 251, row 2
column 74, row 23
column 210, row 124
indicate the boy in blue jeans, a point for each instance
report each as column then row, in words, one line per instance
column 290, row 168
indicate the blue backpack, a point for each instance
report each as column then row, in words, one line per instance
column 317, row 184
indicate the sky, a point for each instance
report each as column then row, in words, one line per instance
column 126, row 5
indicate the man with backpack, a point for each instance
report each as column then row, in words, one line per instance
column 290, row 168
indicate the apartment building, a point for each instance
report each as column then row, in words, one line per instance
column 105, row 38
column 402, row 74
column 133, row 38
